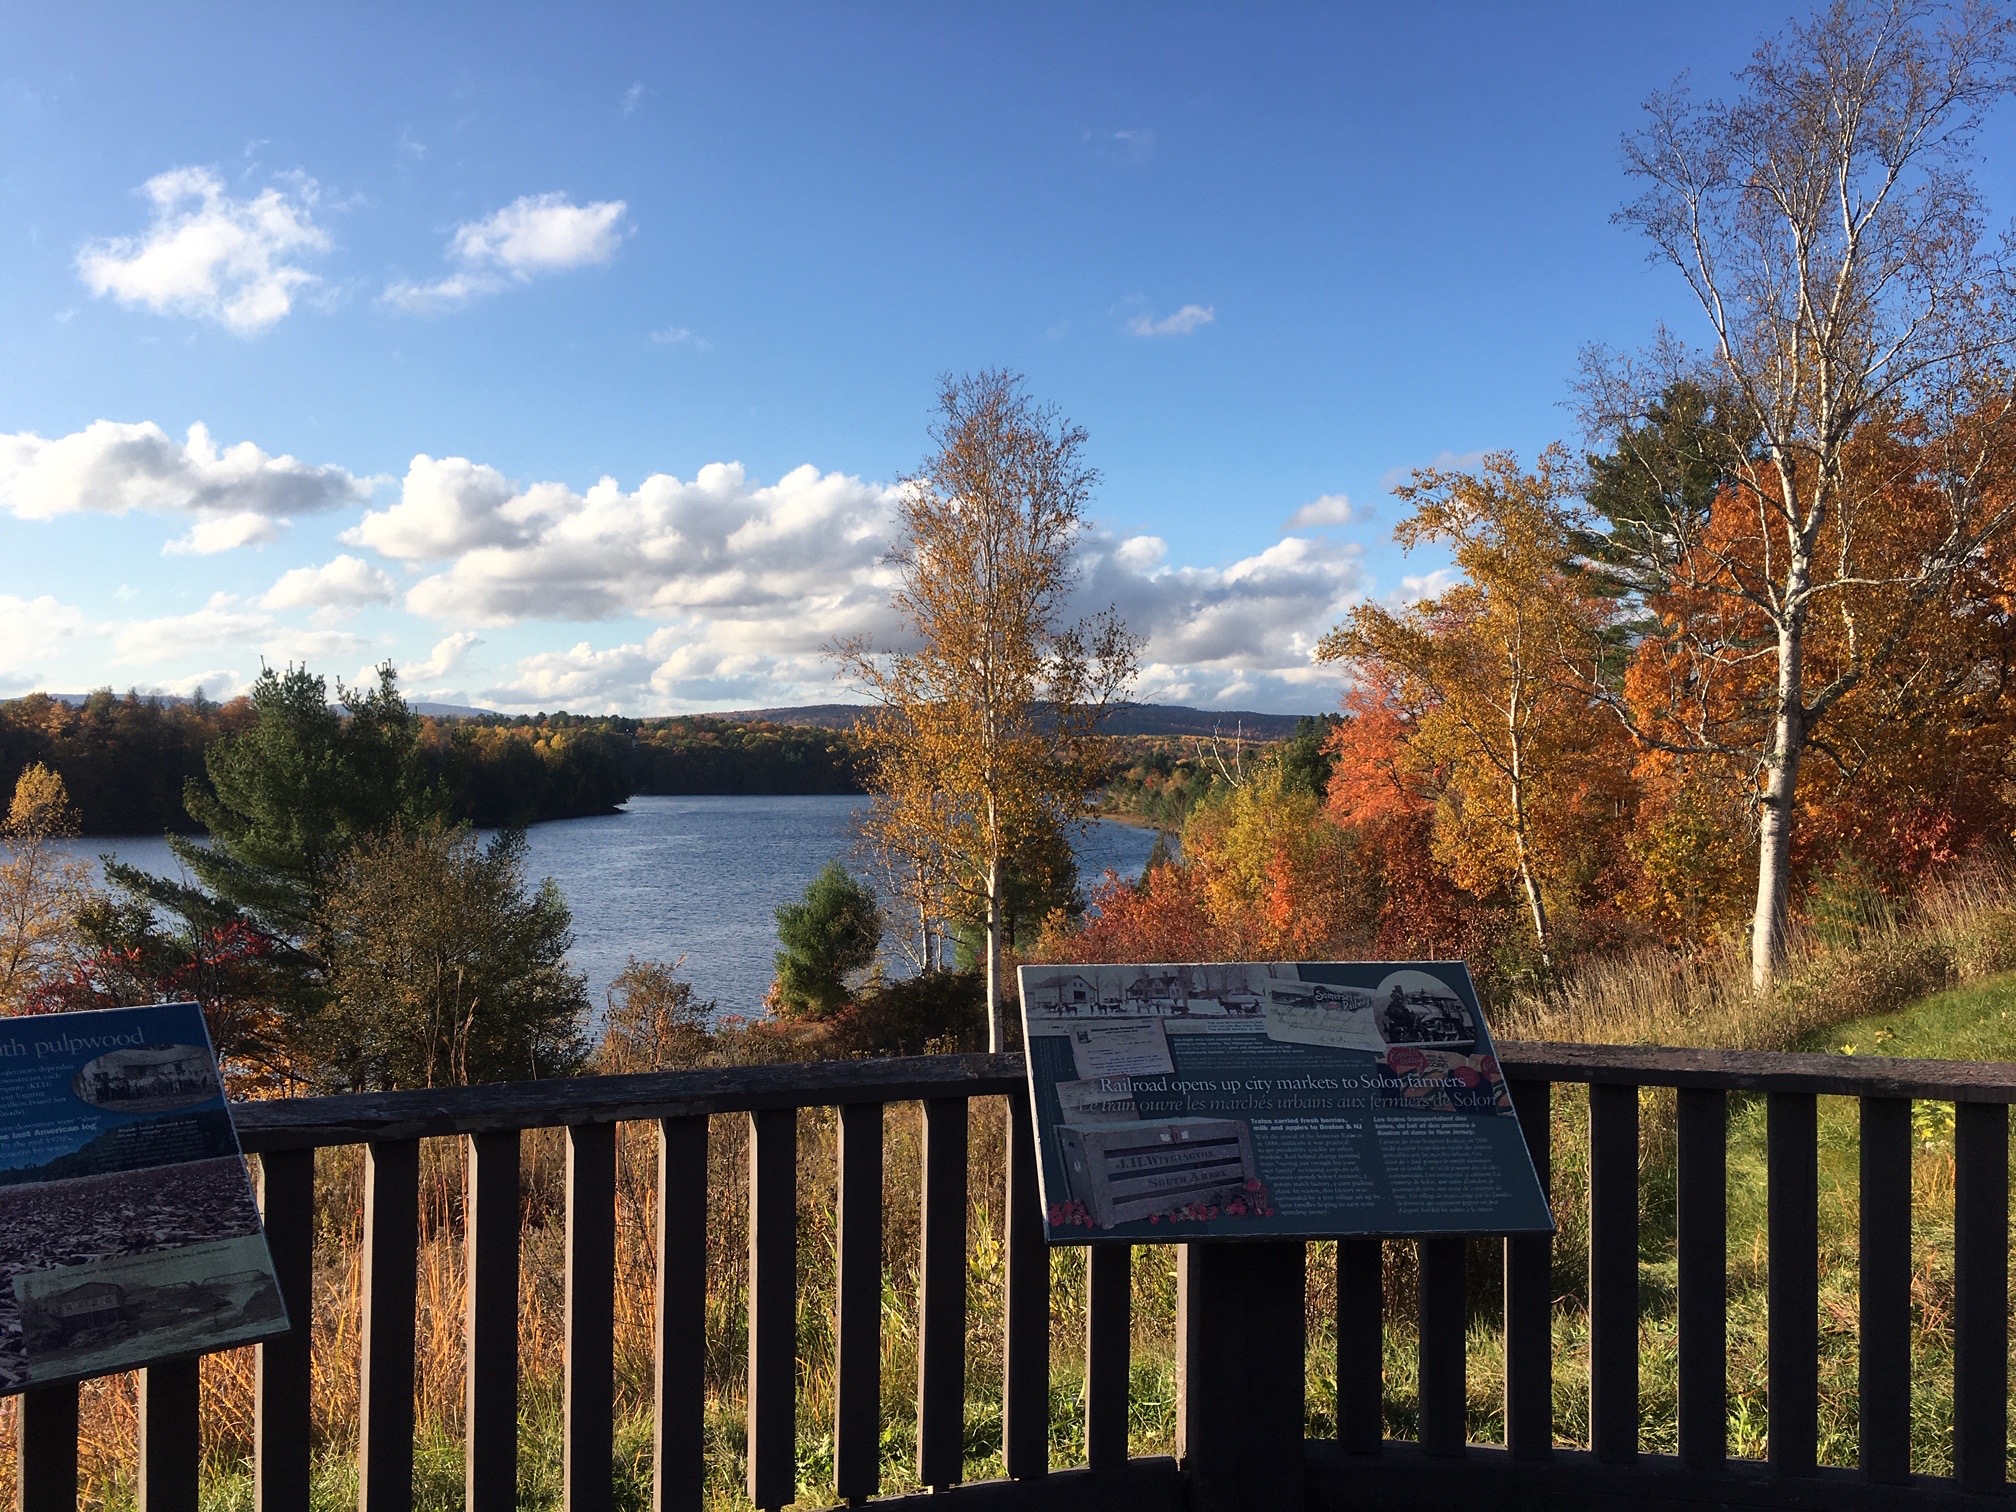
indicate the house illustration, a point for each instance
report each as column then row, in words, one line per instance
column 1158, row 994
column 1063, row 994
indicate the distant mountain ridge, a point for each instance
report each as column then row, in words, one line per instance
column 1129, row 719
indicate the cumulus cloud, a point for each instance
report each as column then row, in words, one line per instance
column 536, row 233
column 1329, row 509
column 446, row 656
column 342, row 585
column 239, row 495
column 222, row 624
column 210, row 255
column 32, row 630
column 1181, row 323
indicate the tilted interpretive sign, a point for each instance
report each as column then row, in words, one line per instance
column 128, row 1229
column 1271, row 1100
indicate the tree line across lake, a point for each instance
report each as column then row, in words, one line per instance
column 126, row 760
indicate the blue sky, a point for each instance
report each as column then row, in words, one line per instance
column 1270, row 257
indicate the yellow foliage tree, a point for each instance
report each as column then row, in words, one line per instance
column 985, row 732
column 41, row 886
column 1495, row 671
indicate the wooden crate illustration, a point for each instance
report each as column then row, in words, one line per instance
column 1128, row 1171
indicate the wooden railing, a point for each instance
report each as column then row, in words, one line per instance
column 1241, row 1326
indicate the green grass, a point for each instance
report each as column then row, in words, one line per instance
column 1972, row 1022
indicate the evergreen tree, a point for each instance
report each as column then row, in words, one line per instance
column 834, row 931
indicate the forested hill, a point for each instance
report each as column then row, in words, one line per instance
column 1128, row 719
column 125, row 759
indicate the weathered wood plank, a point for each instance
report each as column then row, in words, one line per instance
column 171, row 1458
column 587, row 1482
column 941, row 1305
column 1442, row 1317
column 1361, row 1345
column 281, row 1414
column 1762, row 1071
column 773, row 1308
column 1529, row 1297
column 1884, row 1353
column 1703, row 1204
column 1792, row 1282
column 1025, row 1384
column 46, row 1474
column 490, row 1325
column 1980, row 1296
column 1109, row 1327
column 679, row 1429
column 1240, row 1389
column 857, row 1430
column 385, row 1375
column 1613, row 1273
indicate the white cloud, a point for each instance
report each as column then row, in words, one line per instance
column 1143, row 553
column 220, row 625
column 446, row 656
column 445, row 508
column 632, row 98
column 1190, row 318
column 1426, row 585
column 1330, row 509
column 342, row 585
column 32, row 630
column 238, row 494
column 536, row 233
column 210, row 255
column 225, row 533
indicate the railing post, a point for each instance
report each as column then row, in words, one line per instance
column 1884, row 1346
column 1240, row 1392
column 1702, row 1155
column 280, row 1429
column 1361, row 1346
column 773, row 1308
column 1792, row 1220
column 941, row 1307
column 1025, row 1385
column 45, row 1478
column 385, row 1375
column 589, row 1410
column 1613, row 1272
column 171, row 1456
column 1109, row 1321
column 490, row 1324
column 857, row 1428
column 1980, row 1295
column 679, row 1426
column 1529, row 1297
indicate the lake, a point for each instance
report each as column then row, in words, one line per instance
column 694, row 877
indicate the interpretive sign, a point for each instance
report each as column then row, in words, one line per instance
column 1271, row 1100
column 128, row 1229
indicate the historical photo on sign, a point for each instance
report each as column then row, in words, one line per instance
column 128, row 1229
column 1271, row 1099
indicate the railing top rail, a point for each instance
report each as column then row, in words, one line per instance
column 302, row 1122
column 1761, row 1071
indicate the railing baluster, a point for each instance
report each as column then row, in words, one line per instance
column 1884, row 1346
column 941, row 1366
column 46, row 1453
column 385, row 1374
column 773, row 1308
column 1025, row 1382
column 170, row 1450
column 1442, row 1331
column 490, row 1329
column 1792, row 1202
column 679, row 1428
column 1529, row 1298
column 1109, row 1328
column 281, row 1420
column 1702, row 1158
column 857, row 1429
column 1981, row 1295
column 1613, row 1272
column 1361, row 1346
column 1241, row 1394
column 586, row 1480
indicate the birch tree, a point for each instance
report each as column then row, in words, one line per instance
column 987, row 717
column 1827, row 223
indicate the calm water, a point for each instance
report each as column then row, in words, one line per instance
column 693, row 877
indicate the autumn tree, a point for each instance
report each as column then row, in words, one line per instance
column 1494, row 673
column 1827, row 223
column 987, row 720
column 42, row 888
